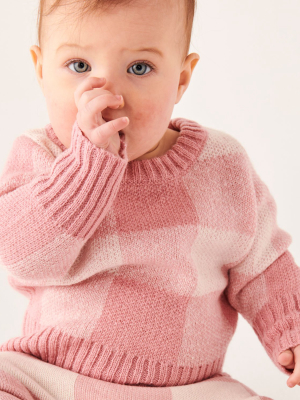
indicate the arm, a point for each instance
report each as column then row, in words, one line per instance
column 46, row 218
column 265, row 286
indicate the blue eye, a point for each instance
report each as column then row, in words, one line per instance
column 80, row 64
column 140, row 67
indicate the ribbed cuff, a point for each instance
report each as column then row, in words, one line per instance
column 81, row 186
column 277, row 326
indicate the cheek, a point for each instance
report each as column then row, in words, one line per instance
column 60, row 103
column 59, row 95
column 62, row 112
column 156, row 106
column 143, row 114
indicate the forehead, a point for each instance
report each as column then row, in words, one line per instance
column 142, row 23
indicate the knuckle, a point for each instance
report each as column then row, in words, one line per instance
column 85, row 97
column 88, row 107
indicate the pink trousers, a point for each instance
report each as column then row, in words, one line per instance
column 25, row 377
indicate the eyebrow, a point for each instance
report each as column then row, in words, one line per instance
column 149, row 49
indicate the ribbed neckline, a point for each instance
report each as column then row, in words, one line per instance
column 175, row 162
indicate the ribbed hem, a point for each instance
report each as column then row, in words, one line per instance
column 81, row 186
column 171, row 165
column 98, row 361
column 278, row 326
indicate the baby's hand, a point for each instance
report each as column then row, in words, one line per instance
column 90, row 100
column 290, row 359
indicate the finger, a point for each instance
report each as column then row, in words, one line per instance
column 88, row 115
column 92, row 112
column 89, row 95
column 88, row 85
column 101, row 102
column 294, row 379
column 102, row 134
column 286, row 358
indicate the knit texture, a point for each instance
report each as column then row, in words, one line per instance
column 136, row 270
column 25, row 377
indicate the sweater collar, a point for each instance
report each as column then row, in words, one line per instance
column 176, row 161
column 169, row 166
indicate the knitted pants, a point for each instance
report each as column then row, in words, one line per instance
column 25, row 377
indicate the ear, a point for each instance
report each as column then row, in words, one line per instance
column 37, row 59
column 186, row 74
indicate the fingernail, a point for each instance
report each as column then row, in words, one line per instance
column 119, row 97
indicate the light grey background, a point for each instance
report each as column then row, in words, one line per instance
column 247, row 83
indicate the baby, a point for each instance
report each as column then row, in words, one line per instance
column 136, row 238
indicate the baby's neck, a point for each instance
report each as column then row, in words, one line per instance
column 167, row 141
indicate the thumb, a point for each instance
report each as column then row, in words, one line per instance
column 286, row 357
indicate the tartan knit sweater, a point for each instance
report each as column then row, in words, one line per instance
column 136, row 271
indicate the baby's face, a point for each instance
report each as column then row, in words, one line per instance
column 111, row 45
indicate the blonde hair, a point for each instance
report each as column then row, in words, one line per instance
column 89, row 6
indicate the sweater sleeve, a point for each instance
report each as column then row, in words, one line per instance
column 265, row 285
column 46, row 218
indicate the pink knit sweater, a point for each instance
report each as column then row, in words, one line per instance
column 136, row 270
